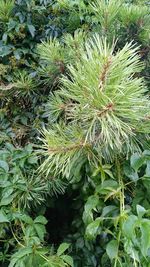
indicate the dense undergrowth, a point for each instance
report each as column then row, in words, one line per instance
column 74, row 133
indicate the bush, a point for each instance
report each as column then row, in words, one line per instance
column 74, row 140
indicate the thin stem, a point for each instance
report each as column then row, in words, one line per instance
column 122, row 204
column 45, row 258
column 16, row 237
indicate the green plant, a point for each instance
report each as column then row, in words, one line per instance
column 87, row 113
column 133, row 14
column 24, row 84
column 6, row 8
column 106, row 12
column 55, row 55
column 30, row 250
column 103, row 107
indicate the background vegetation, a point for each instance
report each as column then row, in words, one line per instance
column 74, row 167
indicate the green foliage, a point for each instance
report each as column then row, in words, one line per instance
column 133, row 14
column 18, row 181
column 30, row 251
column 55, row 56
column 6, row 8
column 105, row 108
column 121, row 224
column 106, row 12
column 24, row 84
column 74, row 121
column 37, row 256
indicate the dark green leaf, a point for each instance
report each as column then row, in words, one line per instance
column 137, row 161
column 112, row 249
column 148, row 169
column 129, row 226
column 145, row 237
column 5, row 50
column 4, row 165
column 7, row 200
column 27, row 219
column 93, row 229
column 109, row 210
column 67, row 259
column 40, row 229
column 40, row 219
column 107, row 186
column 31, row 30
column 62, row 248
column 140, row 211
column 3, row 217
column 91, row 203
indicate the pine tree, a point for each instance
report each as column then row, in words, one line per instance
column 101, row 110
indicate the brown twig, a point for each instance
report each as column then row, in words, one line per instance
column 69, row 148
column 104, row 73
column 109, row 107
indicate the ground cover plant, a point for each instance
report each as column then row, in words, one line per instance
column 74, row 133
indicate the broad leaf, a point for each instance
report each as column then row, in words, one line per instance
column 62, row 248
column 7, row 200
column 140, row 211
column 3, row 217
column 4, row 165
column 148, row 169
column 129, row 226
column 67, row 259
column 112, row 249
column 25, row 218
column 22, row 252
column 40, row 219
column 91, row 203
column 109, row 210
column 92, row 229
column 107, row 186
column 137, row 161
column 31, row 30
column 40, row 229
column 145, row 238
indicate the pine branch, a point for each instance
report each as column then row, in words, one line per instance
column 132, row 13
column 6, row 7
column 63, row 147
column 106, row 12
column 104, row 73
column 55, row 55
column 104, row 108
